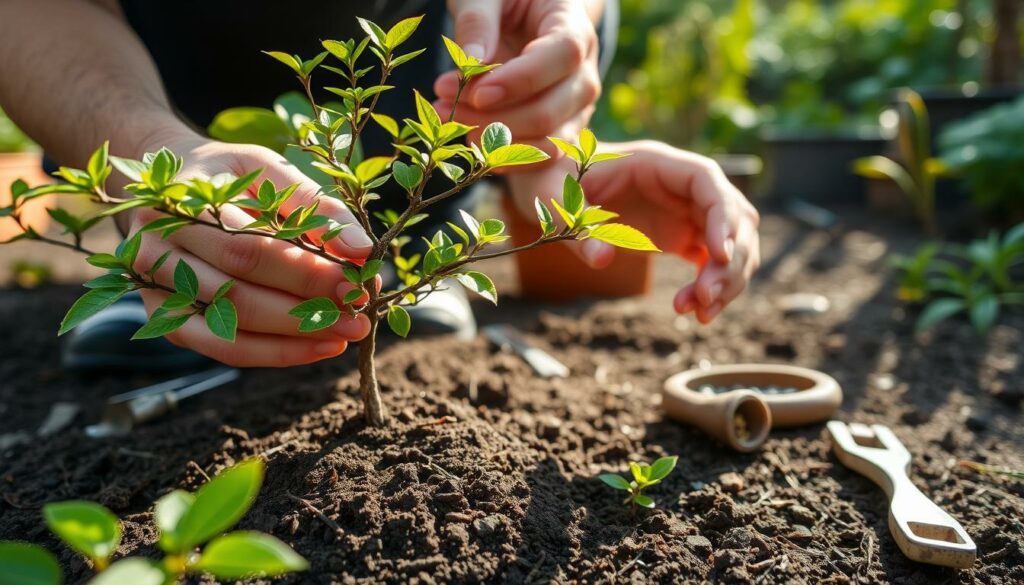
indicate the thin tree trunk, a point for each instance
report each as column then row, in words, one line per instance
column 1004, row 62
column 373, row 407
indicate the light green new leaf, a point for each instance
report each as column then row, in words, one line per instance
column 662, row 467
column 592, row 215
column 398, row 320
column 588, row 143
column 185, row 280
column 387, row 123
column 249, row 125
column 408, row 176
column 616, row 481
column 167, row 512
column 572, row 196
column 316, row 314
column 547, row 223
column 605, row 156
column 622, row 236
column 642, row 500
column 130, row 168
column 471, row 223
column 568, row 148
column 426, row 112
column 86, row 527
column 287, row 59
column 638, row 472
column 243, row 554
column 160, row 326
column 401, row 32
column 88, row 305
column 134, row 570
column 937, row 311
column 97, row 167
column 336, row 48
column 880, row 167
column 376, row 33
column 220, row 503
column 515, row 154
column 222, row 319
column 495, row 136
column 28, row 564
column 371, row 168
column 458, row 55
column 479, row 283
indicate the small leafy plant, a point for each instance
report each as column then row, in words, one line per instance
column 644, row 476
column 916, row 170
column 185, row 521
column 423, row 146
column 978, row 279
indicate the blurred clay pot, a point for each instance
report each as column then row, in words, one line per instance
column 29, row 167
column 554, row 273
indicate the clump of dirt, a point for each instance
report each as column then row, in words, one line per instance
column 488, row 474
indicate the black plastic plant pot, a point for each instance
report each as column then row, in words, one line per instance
column 946, row 105
column 817, row 168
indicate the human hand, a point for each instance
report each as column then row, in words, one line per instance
column 681, row 200
column 549, row 79
column 272, row 276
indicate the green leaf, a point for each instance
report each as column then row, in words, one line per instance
column 495, row 136
column 515, row 154
column 572, row 196
column 243, row 554
column 471, row 223
column 616, row 481
column 568, row 218
column 547, row 223
column 185, row 280
column 220, row 503
column 371, row 168
column 401, row 32
column 937, row 311
column 374, row 32
column 86, row 527
column 28, row 564
column 287, row 59
column 132, row 169
column 479, row 283
column 352, row 295
column 406, row 57
column 160, row 326
column 248, row 125
column 568, row 148
column 638, row 472
column 642, row 500
column 408, row 176
column 316, row 314
column 387, row 123
column 623, row 236
column 458, row 55
column 370, row 269
column 605, row 156
column 398, row 320
column 223, row 290
column 222, row 319
column 110, row 281
column 104, row 260
column 426, row 112
column 159, row 262
column 128, row 251
column 984, row 312
column 167, row 512
column 453, row 172
column 662, row 467
column 88, row 305
column 588, row 143
column 135, row 570
column 594, row 215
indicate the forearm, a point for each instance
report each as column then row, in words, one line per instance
column 76, row 75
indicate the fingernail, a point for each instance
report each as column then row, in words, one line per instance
column 488, row 96
column 327, row 348
column 730, row 247
column 474, row 50
column 356, row 238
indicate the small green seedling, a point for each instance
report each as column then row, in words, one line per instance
column 644, row 476
column 185, row 521
column 328, row 136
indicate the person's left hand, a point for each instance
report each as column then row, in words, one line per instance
column 549, row 79
column 681, row 200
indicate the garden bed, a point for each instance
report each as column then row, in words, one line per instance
column 490, row 474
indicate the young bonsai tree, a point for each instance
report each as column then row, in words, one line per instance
column 422, row 147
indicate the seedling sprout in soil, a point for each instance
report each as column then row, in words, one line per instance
column 644, row 476
column 422, row 147
column 184, row 520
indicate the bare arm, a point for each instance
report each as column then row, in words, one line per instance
column 75, row 75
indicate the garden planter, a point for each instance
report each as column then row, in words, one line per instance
column 952, row 104
column 27, row 166
column 817, row 168
column 741, row 169
column 884, row 196
column 555, row 273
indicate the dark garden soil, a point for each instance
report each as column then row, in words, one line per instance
column 488, row 474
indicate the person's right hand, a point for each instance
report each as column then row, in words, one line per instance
column 271, row 276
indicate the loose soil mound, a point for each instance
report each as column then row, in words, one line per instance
column 488, row 474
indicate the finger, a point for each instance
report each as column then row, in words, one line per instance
column 266, row 261
column 477, row 25
column 260, row 309
column 536, row 118
column 685, row 301
column 594, row 253
column 544, row 62
column 707, row 314
column 352, row 242
column 447, row 85
column 249, row 349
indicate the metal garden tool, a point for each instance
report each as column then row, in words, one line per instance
column 923, row 531
column 127, row 410
column 543, row 363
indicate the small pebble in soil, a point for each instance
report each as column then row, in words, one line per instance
column 699, row 544
column 803, row 304
column 487, row 525
column 800, row 532
column 731, row 482
column 802, row 515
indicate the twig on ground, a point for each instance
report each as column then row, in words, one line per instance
column 536, row 567
column 338, row 531
column 199, row 469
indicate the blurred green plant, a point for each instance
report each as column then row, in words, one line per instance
column 988, row 150
column 914, row 170
column 29, row 274
column 11, row 138
column 978, row 279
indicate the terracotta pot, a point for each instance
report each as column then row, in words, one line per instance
column 27, row 166
column 554, row 273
